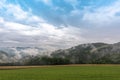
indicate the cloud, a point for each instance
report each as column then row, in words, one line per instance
column 103, row 23
column 103, row 16
column 15, row 13
column 27, row 29
column 100, row 24
column 47, row 2
column 53, row 35
column 74, row 3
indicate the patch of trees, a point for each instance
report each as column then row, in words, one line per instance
column 11, row 64
column 47, row 60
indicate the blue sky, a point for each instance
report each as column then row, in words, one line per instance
column 57, row 24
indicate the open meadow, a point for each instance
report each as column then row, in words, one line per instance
column 70, row 72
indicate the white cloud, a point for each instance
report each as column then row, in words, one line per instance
column 2, row 3
column 16, row 11
column 103, row 16
column 47, row 35
column 1, row 20
column 41, row 33
column 53, row 34
column 100, row 23
column 74, row 3
column 48, row 2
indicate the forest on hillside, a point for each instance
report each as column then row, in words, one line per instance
column 93, row 53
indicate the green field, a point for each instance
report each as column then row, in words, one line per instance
column 79, row 72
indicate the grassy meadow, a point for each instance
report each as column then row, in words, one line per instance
column 71, row 72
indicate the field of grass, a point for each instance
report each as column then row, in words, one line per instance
column 72, row 72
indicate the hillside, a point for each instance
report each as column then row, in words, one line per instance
column 91, row 53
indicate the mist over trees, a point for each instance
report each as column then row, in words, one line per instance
column 93, row 53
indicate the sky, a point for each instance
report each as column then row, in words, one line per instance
column 58, row 24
